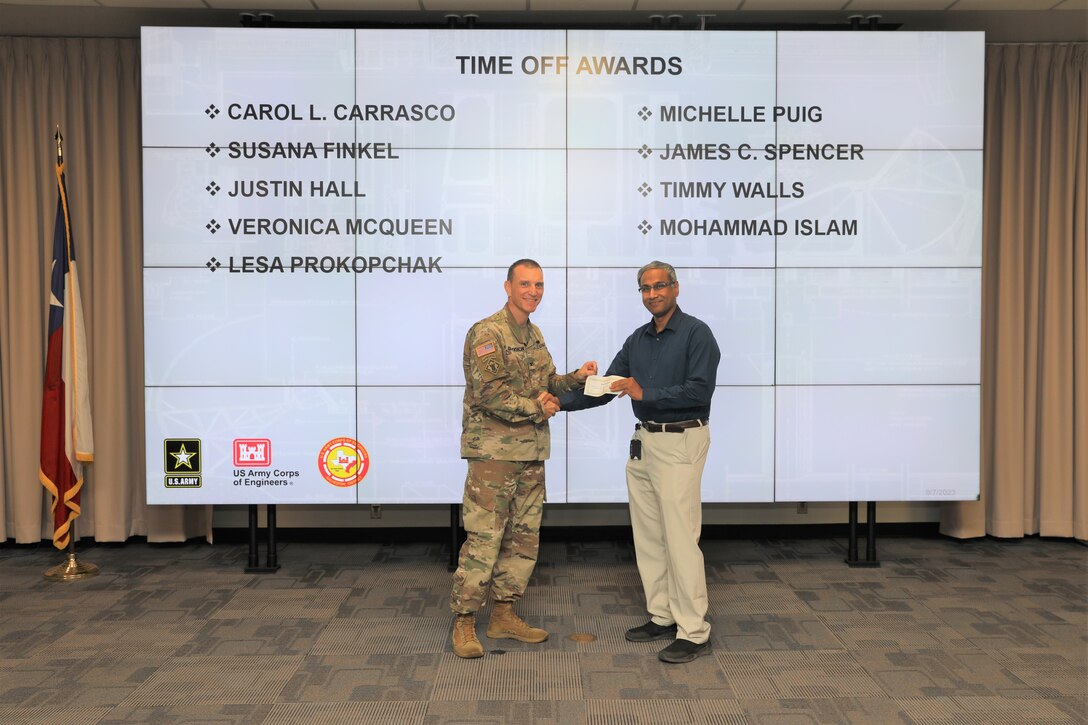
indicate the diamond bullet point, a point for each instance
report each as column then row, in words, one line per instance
column 644, row 227
column 212, row 188
column 212, row 111
column 645, row 151
column 213, row 226
column 644, row 113
column 645, row 189
column 212, row 149
column 213, row 264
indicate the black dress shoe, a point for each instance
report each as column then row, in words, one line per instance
column 650, row 631
column 683, row 650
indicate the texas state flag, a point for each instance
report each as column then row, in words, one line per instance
column 67, row 441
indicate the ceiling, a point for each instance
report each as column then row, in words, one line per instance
column 1002, row 20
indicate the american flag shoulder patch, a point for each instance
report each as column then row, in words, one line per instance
column 485, row 349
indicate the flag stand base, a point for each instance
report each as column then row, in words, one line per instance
column 71, row 570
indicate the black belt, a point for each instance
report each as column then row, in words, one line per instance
column 678, row 427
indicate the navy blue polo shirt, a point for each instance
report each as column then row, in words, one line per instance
column 676, row 368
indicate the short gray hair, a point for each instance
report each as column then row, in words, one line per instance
column 657, row 265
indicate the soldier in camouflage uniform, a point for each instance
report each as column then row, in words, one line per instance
column 510, row 393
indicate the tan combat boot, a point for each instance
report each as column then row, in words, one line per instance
column 505, row 624
column 465, row 643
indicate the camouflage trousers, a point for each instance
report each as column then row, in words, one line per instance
column 504, row 501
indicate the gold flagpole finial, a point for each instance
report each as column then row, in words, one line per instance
column 60, row 141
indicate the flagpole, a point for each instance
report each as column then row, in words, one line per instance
column 71, row 569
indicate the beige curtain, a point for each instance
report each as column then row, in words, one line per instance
column 91, row 88
column 1035, row 298
column 1035, row 323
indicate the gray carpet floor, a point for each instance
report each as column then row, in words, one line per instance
column 944, row 632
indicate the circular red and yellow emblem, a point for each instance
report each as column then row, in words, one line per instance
column 343, row 462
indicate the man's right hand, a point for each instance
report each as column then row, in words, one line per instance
column 627, row 386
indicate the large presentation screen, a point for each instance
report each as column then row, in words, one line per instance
column 326, row 212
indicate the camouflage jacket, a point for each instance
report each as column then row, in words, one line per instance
column 506, row 367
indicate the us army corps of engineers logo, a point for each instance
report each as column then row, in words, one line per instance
column 181, row 462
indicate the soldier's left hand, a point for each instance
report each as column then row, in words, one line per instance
column 550, row 409
column 547, row 398
column 587, row 369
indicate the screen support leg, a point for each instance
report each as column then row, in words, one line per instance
column 870, row 546
column 455, row 535
column 870, row 559
column 254, row 555
column 254, row 566
column 270, row 556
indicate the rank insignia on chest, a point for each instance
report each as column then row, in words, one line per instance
column 486, row 349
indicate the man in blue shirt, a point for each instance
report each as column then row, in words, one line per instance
column 669, row 366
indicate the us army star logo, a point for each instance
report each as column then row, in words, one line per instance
column 182, row 458
column 182, row 455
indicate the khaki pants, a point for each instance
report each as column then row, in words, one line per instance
column 667, row 519
column 504, row 502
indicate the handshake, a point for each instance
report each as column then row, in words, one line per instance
column 550, row 404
